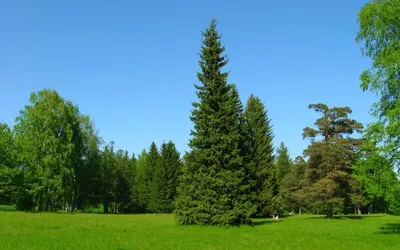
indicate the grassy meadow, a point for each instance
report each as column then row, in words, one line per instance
column 19, row 230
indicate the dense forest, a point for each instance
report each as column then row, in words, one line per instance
column 53, row 158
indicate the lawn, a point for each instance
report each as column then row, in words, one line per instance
column 19, row 230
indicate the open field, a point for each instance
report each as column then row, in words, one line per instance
column 20, row 230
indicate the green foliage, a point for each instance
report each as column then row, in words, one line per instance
column 283, row 162
column 213, row 189
column 292, row 184
column 379, row 32
column 50, row 143
column 377, row 178
column 109, row 178
column 154, row 179
column 7, row 164
column 141, row 191
column 87, row 181
column 259, row 159
column 165, row 179
column 330, row 160
column 125, row 182
column 393, row 199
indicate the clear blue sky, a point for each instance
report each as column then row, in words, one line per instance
column 131, row 65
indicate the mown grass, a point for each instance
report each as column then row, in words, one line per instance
column 19, row 230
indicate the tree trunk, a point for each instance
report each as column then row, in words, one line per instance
column 359, row 210
column 47, row 205
column 105, row 204
column 40, row 201
column 330, row 211
column 370, row 209
column 299, row 210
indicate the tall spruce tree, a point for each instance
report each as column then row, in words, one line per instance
column 165, row 179
column 141, row 183
column 153, row 181
column 283, row 162
column 259, row 157
column 212, row 189
column 283, row 165
column 171, row 162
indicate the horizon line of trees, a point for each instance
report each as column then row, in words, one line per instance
column 51, row 159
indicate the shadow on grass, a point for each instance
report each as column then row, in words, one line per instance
column 343, row 217
column 390, row 228
column 264, row 222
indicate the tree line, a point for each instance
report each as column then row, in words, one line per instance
column 53, row 157
column 52, row 160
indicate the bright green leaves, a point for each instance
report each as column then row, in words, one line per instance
column 379, row 35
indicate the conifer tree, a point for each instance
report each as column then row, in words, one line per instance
column 212, row 189
column 152, row 183
column 171, row 162
column 283, row 165
column 165, row 179
column 282, row 161
column 259, row 157
column 141, row 186
column 331, row 158
column 292, row 185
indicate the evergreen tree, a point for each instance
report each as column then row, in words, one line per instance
column 330, row 159
column 171, row 162
column 259, row 159
column 165, row 179
column 141, row 184
column 153, row 179
column 293, row 185
column 212, row 189
column 283, row 165
column 283, row 162
column 109, row 179
column 125, row 178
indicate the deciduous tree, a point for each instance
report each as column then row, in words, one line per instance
column 379, row 36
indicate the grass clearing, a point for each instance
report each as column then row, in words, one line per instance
column 19, row 230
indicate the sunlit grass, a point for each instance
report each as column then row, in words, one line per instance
column 19, row 230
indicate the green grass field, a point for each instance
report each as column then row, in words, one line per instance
column 20, row 230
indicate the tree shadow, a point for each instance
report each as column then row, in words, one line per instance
column 341, row 217
column 390, row 228
column 264, row 222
